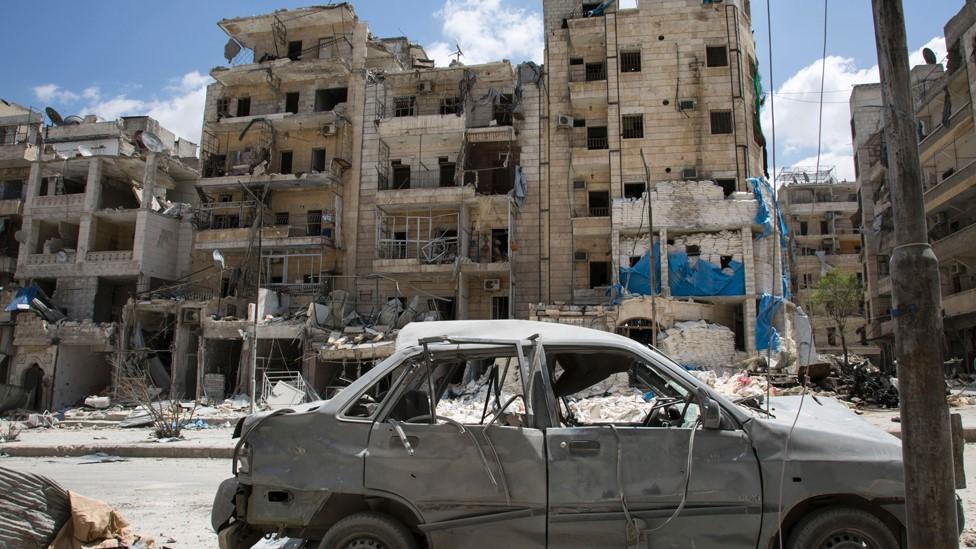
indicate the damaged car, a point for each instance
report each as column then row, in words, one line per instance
column 393, row 461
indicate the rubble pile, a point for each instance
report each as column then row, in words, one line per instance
column 699, row 345
column 860, row 381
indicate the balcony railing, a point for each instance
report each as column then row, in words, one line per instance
column 591, row 143
column 60, row 258
column 109, row 256
column 419, row 179
column 599, row 211
column 59, row 201
column 431, row 252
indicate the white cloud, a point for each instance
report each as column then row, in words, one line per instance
column 488, row 30
column 179, row 109
column 797, row 111
column 52, row 93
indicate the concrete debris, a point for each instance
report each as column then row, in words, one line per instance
column 98, row 402
column 9, row 431
column 99, row 457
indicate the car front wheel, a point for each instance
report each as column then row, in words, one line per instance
column 368, row 531
column 842, row 528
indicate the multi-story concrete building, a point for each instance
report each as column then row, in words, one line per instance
column 944, row 109
column 98, row 228
column 822, row 215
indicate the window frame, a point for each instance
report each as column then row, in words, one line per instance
column 711, row 61
column 627, row 58
column 726, row 115
column 636, row 129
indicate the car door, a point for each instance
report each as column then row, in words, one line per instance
column 593, row 468
column 469, row 482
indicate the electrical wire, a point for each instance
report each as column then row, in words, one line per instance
column 823, row 74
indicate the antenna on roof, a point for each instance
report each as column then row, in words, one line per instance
column 929, row 56
column 457, row 54
column 54, row 116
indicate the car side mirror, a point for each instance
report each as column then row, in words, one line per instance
column 711, row 412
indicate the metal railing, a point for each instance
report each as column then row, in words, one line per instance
column 109, row 256
column 597, row 143
column 293, row 385
column 419, row 179
column 599, row 211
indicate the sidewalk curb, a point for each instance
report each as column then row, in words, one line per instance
column 160, row 450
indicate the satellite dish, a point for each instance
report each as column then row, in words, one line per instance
column 218, row 259
column 62, row 257
column 231, row 49
column 54, row 116
column 152, row 142
column 72, row 120
column 84, row 150
column 21, row 236
column 929, row 56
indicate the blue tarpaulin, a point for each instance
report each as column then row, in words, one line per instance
column 22, row 301
column 686, row 277
column 766, row 335
column 763, row 216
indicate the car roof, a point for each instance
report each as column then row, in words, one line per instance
column 548, row 332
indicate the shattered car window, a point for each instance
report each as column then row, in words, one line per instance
column 620, row 389
column 368, row 403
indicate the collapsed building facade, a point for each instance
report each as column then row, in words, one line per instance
column 944, row 108
column 823, row 219
column 98, row 227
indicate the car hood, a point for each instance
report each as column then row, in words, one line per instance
column 825, row 430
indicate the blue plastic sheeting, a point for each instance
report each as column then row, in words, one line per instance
column 637, row 280
column 763, row 215
column 766, row 335
column 601, row 9
column 685, row 277
column 701, row 278
column 22, row 301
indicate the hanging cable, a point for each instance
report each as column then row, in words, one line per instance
column 823, row 73
column 772, row 84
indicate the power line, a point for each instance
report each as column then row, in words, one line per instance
column 823, row 77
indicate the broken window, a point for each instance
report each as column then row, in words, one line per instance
column 326, row 100
column 503, row 110
column 404, row 106
column 284, row 162
column 630, row 61
column 716, row 56
column 633, row 126
column 634, row 190
column 499, row 245
column 223, row 107
column 318, row 160
column 295, row 50
column 368, row 403
column 450, row 105
column 291, row 102
column 599, row 274
column 721, row 122
column 728, row 186
column 243, row 106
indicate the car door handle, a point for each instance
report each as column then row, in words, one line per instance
column 584, row 446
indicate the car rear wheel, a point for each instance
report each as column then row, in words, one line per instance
column 842, row 528
column 368, row 531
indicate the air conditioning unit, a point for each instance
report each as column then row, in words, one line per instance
column 687, row 105
column 424, row 87
column 328, row 129
column 689, row 173
column 191, row 316
column 564, row 121
column 579, row 185
column 580, row 256
column 958, row 268
column 493, row 284
column 940, row 218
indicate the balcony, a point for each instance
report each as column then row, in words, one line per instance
column 18, row 154
column 11, row 206
column 116, row 256
column 60, row 201
column 272, row 237
column 588, row 32
column 942, row 136
column 420, row 118
column 61, row 258
column 950, row 187
column 959, row 304
column 957, row 244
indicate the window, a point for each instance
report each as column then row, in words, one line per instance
column 291, row 102
column 595, row 72
column 575, row 60
column 634, row 190
column 499, row 307
column 721, row 122
column 284, row 163
column 693, row 250
column 599, row 203
column 318, row 160
column 405, row 106
column 596, row 138
column 281, row 218
column 401, row 175
column 630, row 61
column 579, row 122
column 450, row 105
column 295, row 50
column 633, row 126
column 447, row 170
column 804, row 227
column 716, row 56
column 728, row 186
column 225, row 198
column 807, row 280
column 223, row 107
column 824, row 227
column 313, row 222
column 368, row 403
column 326, row 100
column 243, row 106
column 599, row 274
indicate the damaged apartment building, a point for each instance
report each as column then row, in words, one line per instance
column 669, row 95
column 823, row 219
column 944, row 108
column 98, row 227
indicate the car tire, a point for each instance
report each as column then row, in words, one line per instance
column 841, row 527
column 368, row 531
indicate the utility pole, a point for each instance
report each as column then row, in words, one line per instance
column 916, row 305
column 652, row 277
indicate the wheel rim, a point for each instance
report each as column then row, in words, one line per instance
column 365, row 543
column 847, row 539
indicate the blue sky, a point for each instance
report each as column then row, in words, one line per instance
column 117, row 57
